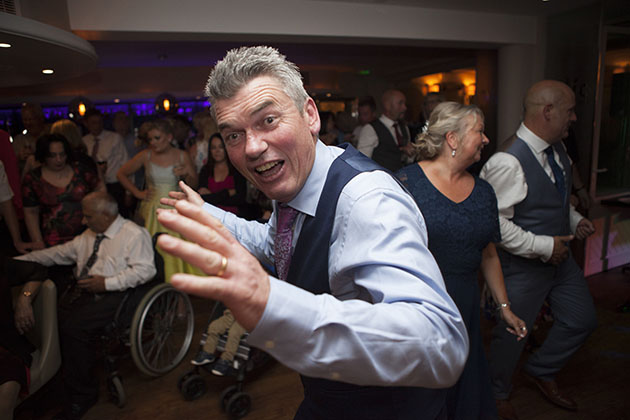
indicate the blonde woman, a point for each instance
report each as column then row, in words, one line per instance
column 461, row 216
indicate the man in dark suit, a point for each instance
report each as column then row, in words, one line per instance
column 532, row 181
column 386, row 140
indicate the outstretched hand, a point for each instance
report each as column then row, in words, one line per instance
column 242, row 285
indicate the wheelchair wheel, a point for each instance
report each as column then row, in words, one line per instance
column 193, row 387
column 182, row 378
column 226, row 395
column 161, row 330
column 239, row 404
column 116, row 391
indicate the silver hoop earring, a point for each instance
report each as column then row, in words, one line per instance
column 453, row 153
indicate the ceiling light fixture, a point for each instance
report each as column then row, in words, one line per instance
column 48, row 71
column 5, row 45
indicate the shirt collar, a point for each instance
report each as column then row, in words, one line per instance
column 307, row 199
column 387, row 121
column 113, row 229
column 528, row 136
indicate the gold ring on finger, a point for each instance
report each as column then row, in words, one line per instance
column 224, row 262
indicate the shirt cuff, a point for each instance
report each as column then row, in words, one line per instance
column 543, row 246
column 287, row 317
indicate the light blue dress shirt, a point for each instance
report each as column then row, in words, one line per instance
column 389, row 320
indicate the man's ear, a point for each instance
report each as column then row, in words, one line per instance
column 547, row 111
column 312, row 116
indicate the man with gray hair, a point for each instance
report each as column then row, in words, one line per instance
column 357, row 304
column 532, row 180
column 112, row 255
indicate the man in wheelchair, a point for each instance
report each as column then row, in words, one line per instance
column 111, row 256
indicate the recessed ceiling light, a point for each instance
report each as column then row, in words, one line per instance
column 48, row 71
column 5, row 45
column 116, row 100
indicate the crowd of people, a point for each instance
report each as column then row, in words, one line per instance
column 375, row 251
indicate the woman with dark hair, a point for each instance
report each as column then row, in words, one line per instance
column 53, row 193
column 219, row 183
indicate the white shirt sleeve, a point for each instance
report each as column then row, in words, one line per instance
column 389, row 319
column 504, row 172
column 64, row 254
column 368, row 140
column 137, row 253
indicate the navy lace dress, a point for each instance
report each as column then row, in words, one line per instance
column 458, row 233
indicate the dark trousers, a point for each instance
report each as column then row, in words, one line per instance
column 528, row 283
column 329, row 400
column 80, row 326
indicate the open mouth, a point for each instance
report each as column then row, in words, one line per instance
column 270, row 168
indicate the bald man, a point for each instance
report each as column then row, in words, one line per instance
column 531, row 177
column 386, row 140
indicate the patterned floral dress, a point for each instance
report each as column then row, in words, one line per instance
column 59, row 208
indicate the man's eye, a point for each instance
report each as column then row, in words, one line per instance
column 269, row 120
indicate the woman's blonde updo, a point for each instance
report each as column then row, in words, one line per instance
column 446, row 117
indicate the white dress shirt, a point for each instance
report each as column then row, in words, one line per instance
column 111, row 149
column 125, row 256
column 504, row 172
column 389, row 320
column 368, row 139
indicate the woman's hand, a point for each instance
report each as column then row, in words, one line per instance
column 24, row 318
column 143, row 195
column 516, row 325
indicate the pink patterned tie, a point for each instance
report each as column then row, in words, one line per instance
column 283, row 240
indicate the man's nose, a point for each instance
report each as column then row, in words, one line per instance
column 255, row 145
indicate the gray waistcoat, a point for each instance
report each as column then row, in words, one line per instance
column 543, row 212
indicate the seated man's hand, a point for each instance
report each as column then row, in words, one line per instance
column 560, row 249
column 584, row 229
column 242, row 285
column 186, row 193
column 24, row 318
column 93, row 284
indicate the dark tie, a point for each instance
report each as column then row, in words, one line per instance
column 92, row 259
column 284, row 240
column 74, row 292
column 557, row 172
column 399, row 136
column 95, row 149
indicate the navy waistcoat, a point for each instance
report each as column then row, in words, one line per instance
column 387, row 154
column 543, row 211
column 330, row 400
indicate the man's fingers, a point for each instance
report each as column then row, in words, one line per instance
column 191, row 195
column 168, row 201
column 206, row 287
column 210, row 262
column 199, row 215
column 194, row 231
column 566, row 238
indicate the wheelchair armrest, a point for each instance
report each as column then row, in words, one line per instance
column 45, row 336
